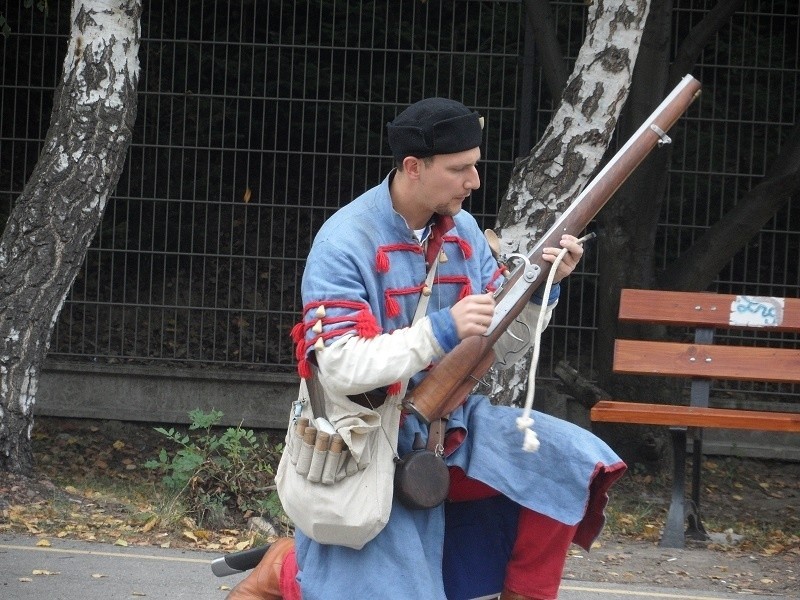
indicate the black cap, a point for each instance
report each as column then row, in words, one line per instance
column 434, row 126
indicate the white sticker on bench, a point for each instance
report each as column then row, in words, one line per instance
column 757, row 311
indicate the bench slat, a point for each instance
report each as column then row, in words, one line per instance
column 707, row 361
column 693, row 416
column 699, row 309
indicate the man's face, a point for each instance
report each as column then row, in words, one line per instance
column 448, row 180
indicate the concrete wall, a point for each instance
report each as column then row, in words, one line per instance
column 163, row 394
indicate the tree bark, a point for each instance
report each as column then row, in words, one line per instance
column 544, row 183
column 55, row 219
column 551, row 56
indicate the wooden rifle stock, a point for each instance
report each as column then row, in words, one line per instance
column 449, row 381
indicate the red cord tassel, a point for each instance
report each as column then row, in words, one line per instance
column 392, row 307
column 366, row 325
column 298, row 332
column 304, row 369
column 382, row 261
column 466, row 249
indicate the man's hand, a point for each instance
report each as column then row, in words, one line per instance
column 473, row 315
column 570, row 260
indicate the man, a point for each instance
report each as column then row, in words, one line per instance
column 510, row 515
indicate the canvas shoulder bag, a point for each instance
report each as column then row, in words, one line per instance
column 336, row 476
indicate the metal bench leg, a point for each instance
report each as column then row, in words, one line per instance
column 695, row 529
column 673, row 529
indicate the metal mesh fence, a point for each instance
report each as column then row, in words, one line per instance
column 257, row 120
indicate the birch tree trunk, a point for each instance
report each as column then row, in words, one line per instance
column 55, row 219
column 544, row 183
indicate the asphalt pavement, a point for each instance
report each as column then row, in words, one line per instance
column 72, row 570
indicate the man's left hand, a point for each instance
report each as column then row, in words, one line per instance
column 570, row 260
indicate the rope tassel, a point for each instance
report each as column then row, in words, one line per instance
column 531, row 442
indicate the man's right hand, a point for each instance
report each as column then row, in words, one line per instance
column 473, row 314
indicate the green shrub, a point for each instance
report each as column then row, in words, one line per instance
column 216, row 470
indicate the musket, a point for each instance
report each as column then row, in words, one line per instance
column 451, row 379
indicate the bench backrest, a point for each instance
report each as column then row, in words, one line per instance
column 707, row 312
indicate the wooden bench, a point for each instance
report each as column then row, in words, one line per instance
column 702, row 361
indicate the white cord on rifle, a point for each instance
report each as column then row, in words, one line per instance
column 525, row 421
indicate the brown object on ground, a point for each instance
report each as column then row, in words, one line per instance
column 264, row 582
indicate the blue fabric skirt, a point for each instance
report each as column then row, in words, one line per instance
column 459, row 550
